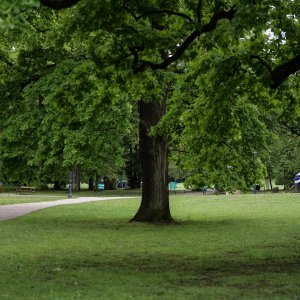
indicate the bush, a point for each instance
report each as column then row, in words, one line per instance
column 43, row 187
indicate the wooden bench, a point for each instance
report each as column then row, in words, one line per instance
column 25, row 189
column 220, row 192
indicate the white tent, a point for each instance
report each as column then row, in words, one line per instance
column 297, row 182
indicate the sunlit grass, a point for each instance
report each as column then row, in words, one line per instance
column 13, row 199
column 221, row 247
column 41, row 196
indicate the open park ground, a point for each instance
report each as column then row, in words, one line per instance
column 221, row 247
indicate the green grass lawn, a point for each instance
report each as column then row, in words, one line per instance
column 222, row 247
column 41, row 196
column 13, row 199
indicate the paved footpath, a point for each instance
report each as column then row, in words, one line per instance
column 12, row 211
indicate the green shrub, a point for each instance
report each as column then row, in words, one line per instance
column 43, row 187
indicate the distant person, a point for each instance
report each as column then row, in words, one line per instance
column 204, row 190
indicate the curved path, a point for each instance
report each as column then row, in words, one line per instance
column 12, row 211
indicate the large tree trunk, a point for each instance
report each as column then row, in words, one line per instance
column 153, row 153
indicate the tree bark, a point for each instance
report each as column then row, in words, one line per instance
column 56, row 185
column 91, row 184
column 132, row 170
column 59, row 4
column 283, row 71
column 77, row 178
column 153, row 154
column 270, row 178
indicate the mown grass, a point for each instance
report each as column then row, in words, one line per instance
column 10, row 197
column 221, row 247
column 13, row 199
column 41, row 196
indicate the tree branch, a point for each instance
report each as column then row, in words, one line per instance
column 263, row 62
column 223, row 14
column 283, row 71
column 165, row 63
column 164, row 11
column 30, row 80
column 33, row 79
column 186, row 43
column 58, row 4
column 199, row 7
column 156, row 12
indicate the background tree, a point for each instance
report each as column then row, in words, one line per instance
column 59, row 116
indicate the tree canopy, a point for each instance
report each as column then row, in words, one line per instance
column 216, row 77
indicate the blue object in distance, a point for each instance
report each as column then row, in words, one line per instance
column 173, row 185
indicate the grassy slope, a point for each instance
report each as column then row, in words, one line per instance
column 223, row 247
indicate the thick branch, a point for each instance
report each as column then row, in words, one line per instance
column 58, row 4
column 223, row 14
column 186, row 43
column 181, row 49
column 282, row 72
column 164, row 11
column 157, row 12
column 32, row 79
column 199, row 14
column 263, row 62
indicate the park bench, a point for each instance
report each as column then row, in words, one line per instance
column 220, row 192
column 25, row 189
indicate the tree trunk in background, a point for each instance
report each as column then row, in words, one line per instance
column 56, row 185
column 109, row 184
column 270, row 178
column 91, row 184
column 133, row 172
column 77, row 178
column 153, row 154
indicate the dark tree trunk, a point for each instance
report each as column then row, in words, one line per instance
column 153, row 154
column 109, row 184
column 91, row 184
column 56, row 185
column 77, row 178
column 133, row 168
column 270, row 179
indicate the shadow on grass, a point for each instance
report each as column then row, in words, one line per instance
column 101, row 220
column 264, row 277
column 139, row 256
